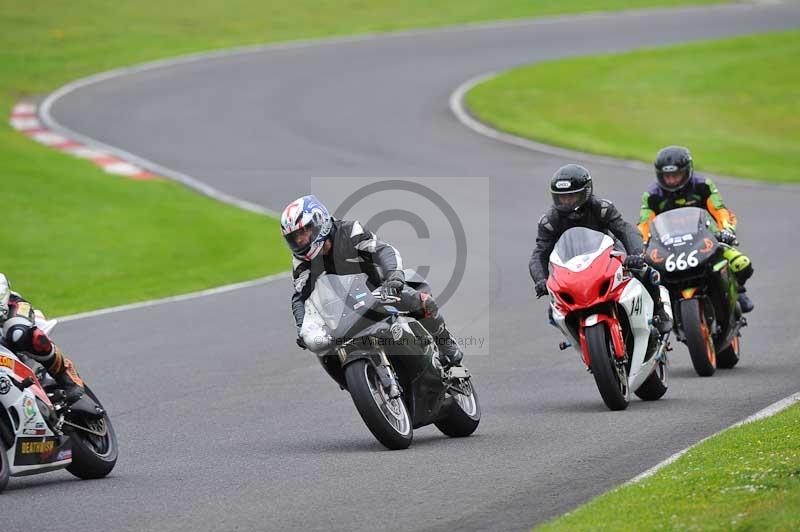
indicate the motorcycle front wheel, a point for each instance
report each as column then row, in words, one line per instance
column 698, row 337
column 386, row 418
column 611, row 378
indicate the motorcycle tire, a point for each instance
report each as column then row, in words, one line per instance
column 729, row 357
column 5, row 467
column 463, row 415
column 388, row 421
column 92, row 456
column 655, row 386
column 698, row 337
column 614, row 392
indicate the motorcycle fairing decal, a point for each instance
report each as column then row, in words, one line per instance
column 7, row 362
column 22, row 372
column 688, row 293
column 37, row 451
column 655, row 257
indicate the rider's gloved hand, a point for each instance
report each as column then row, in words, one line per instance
column 726, row 236
column 634, row 262
column 541, row 288
column 301, row 343
column 393, row 282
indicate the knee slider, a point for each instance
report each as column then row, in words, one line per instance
column 740, row 263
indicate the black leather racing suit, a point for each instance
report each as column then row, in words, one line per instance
column 356, row 250
column 598, row 214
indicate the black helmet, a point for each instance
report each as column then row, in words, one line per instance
column 674, row 161
column 571, row 187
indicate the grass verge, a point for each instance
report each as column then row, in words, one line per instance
column 735, row 103
column 746, row 478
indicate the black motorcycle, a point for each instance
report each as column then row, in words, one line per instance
column 703, row 289
column 387, row 361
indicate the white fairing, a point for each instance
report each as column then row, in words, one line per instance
column 639, row 306
column 31, row 422
column 561, row 323
column 314, row 333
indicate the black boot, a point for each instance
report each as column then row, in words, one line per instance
column 67, row 377
column 449, row 353
column 661, row 320
column 745, row 302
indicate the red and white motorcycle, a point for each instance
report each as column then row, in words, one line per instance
column 39, row 432
column 606, row 314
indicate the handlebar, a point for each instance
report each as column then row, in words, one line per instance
column 383, row 297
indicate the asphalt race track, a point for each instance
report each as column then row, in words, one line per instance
column 225, row 425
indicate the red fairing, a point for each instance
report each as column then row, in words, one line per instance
column 21, row 372
column 592, row 286
column 588, row 287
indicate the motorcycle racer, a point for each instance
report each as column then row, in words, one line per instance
column 677, row 185
column 574, row 205
column 321, row 243
column 20, row 334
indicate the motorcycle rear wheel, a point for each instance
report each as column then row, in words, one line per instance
column 387, row 419
column 92, row 456
column 729, row 357
column 698, row 337
column 655, row 386
column 463, row 415
column 611, row 382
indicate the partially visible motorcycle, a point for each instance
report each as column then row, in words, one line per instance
column 703, row 289
column 606, row 314
column 387, row 361
column 41, row 432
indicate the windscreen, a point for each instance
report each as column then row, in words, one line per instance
column 683, row 221
column 578, row 241
column 330, row 296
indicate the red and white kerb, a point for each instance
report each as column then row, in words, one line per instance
column 24, row 118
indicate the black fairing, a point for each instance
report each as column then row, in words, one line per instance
column 683, row 233
column 362, row 333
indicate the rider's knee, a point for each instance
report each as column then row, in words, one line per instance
column 429, row 307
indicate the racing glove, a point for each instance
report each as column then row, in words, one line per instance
column 393, row 282
column 541, row 288
column 726, row 236
column 634, row 262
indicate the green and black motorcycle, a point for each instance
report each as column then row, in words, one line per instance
column 703, row 289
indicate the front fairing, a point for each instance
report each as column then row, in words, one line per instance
column 682, row 246
column 340, row 308
column 584, row 270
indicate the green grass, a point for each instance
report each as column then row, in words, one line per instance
column 747, row 478
column 735, row 103
column 75, row 238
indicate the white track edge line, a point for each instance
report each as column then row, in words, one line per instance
column 459, row 109
column 174, row 299
column 769, row 411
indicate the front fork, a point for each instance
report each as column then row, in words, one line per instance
column 387, row 376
